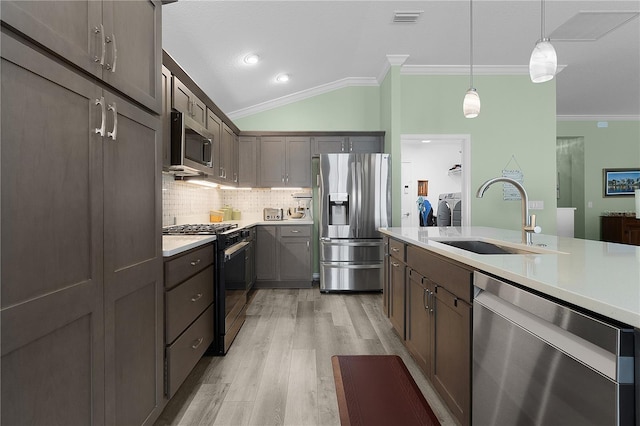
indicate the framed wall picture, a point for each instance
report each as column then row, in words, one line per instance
column 620, row 182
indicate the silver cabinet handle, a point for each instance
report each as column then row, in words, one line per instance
column 295, row 231
column 196, row 297
column 100, row 130
column 395, row 264
column 197, row 343
column 394, row 249
column 113, row 134
column 195, row 262
column 235, row 177
column 425, row 298
column 115, row 53
column 287, row 178
column 100, row 30
column 109, row 40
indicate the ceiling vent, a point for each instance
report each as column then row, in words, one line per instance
column 406, row 16
column 591, row 25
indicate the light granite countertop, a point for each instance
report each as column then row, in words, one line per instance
column 600, row 277
column 175, row 244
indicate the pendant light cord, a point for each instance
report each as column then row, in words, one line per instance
column 471, row 43
column 541, row 19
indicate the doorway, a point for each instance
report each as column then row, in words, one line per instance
column 570, row 179
column 441, row 159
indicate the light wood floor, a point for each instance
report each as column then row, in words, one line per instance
column 278, row 370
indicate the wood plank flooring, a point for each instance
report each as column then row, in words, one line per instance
column 278, row 370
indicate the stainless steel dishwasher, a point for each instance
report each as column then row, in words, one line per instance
column 536, row 362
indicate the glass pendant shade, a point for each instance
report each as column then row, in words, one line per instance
column 471, row 104
column 544, row 62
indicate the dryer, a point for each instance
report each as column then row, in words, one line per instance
column 449, row 209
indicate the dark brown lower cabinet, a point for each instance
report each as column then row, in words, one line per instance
column 438, row 326
column 451, row 341
column 397, row 296
column 419, row 320
column 620, row 229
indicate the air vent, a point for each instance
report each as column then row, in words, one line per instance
column 406, row 16
column 591, row 25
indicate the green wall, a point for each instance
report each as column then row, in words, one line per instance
column 615, row 146
column 517, row 118
column 351, row 108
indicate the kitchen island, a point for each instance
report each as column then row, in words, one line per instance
column 437, row 302
column 601, row 277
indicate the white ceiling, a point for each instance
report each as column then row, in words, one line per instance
column 327, row 44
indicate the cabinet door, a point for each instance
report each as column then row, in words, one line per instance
column 397, row 305
column 365, row 144
column 266, row 243
column 226, row 154
column 451, row 363
column 51, row 242
column 133, row 296
column 214, row 126
column 272, row 161
column 71, row 29
column 187, row 103
column 418, row 339
column 134, row 50
column 298, row 166
column 329, row 144
column 247, row 157
column 295, row 259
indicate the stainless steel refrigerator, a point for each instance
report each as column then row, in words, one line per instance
column 355, row 194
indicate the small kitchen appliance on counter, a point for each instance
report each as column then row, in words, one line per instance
column 272, row 214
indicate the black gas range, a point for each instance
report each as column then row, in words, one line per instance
column 232, row 277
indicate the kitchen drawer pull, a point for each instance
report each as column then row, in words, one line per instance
column 196, row 297
column 195, row 262
column 425, row 298
column 103, row 123
column 395, row 249
column 100, row 30
column 197, row 343
column 295, row 231
column 114, row 133
column 395, row 264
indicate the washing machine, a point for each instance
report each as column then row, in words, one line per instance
column 449, row 209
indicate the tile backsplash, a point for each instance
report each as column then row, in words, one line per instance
column 181, row 199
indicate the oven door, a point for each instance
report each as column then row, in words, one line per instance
column 235, row 290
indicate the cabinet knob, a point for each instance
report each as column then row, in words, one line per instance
column 196, row 297
column 195, row 262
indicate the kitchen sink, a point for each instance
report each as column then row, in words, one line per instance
column 483, row 247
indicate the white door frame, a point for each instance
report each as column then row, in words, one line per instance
column 465, row 140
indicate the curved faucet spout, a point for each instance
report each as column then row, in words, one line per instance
column 526, row 223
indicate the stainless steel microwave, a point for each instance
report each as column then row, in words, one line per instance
column 191, row 146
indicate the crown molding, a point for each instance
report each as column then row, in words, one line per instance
column 598, row 117
column 304, row 94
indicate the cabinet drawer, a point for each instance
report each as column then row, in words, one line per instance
column 185, row 302
column 397, row 249
column 452, row 277
column 185, row 352
column 182, row 267
column 295, row 231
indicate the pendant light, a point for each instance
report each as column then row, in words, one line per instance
column 544, row 61
column 471, row 103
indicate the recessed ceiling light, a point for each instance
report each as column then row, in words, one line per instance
column 251, row 59
column 282, row 78
column 426, row 141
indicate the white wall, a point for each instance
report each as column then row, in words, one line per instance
column 428, row 161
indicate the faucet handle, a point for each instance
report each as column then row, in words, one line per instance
column 532, row 228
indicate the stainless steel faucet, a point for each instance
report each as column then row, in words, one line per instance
column 528, row 222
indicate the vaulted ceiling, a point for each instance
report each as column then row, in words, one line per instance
column 326, row 44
